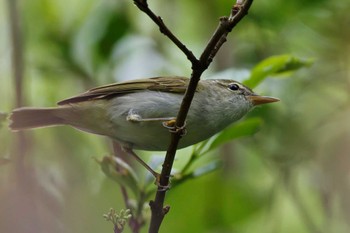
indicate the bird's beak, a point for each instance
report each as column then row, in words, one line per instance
column 257, row 99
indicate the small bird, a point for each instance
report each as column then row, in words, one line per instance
column 134, row 113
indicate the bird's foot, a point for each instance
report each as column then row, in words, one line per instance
column 173, row 128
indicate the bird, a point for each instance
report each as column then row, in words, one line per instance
column 137, row 113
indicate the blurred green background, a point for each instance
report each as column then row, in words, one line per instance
column 293, row 175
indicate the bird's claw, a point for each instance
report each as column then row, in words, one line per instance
column 161, row 188
column 173, row 128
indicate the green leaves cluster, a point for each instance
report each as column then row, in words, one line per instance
column 275, row 66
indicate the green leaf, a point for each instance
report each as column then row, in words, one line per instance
column 242, row 129
column 197, row 172
column 124, row 176
column 275, row 65
column 116, row 27
column 94, row 41
column 206, row 169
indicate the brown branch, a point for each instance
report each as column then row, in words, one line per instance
column 239, row 10
column 226, row 25
column 143, row 6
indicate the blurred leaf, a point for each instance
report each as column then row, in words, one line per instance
column 197, row 172
column 242, row 202
column 116, row 27
column 244, row 128
column 124, row 176
column 206, row 169
column 275, row 65
column 95, row 40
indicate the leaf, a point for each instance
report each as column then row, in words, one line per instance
column 244, row 128
column 94, row 41
column 116, row 27
column 275, row 65
column 197, row 172
column 206, row 169
column 126, row 176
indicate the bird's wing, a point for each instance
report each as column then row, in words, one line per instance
column 164, row 84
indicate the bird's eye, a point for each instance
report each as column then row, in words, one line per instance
column 233, row 87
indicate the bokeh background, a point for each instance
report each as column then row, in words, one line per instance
column 291, row 176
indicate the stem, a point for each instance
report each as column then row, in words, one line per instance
column 135, row 221
column 143, row 6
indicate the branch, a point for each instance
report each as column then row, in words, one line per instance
column 239, row 10
column 143, row 6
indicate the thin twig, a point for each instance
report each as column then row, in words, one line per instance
column 143, row 6
column 238, row 11
column 135, row 222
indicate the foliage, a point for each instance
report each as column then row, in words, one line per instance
column 275, row 65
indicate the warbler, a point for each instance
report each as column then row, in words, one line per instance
column 134, row 113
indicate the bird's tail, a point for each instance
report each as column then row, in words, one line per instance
column 27, row 118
